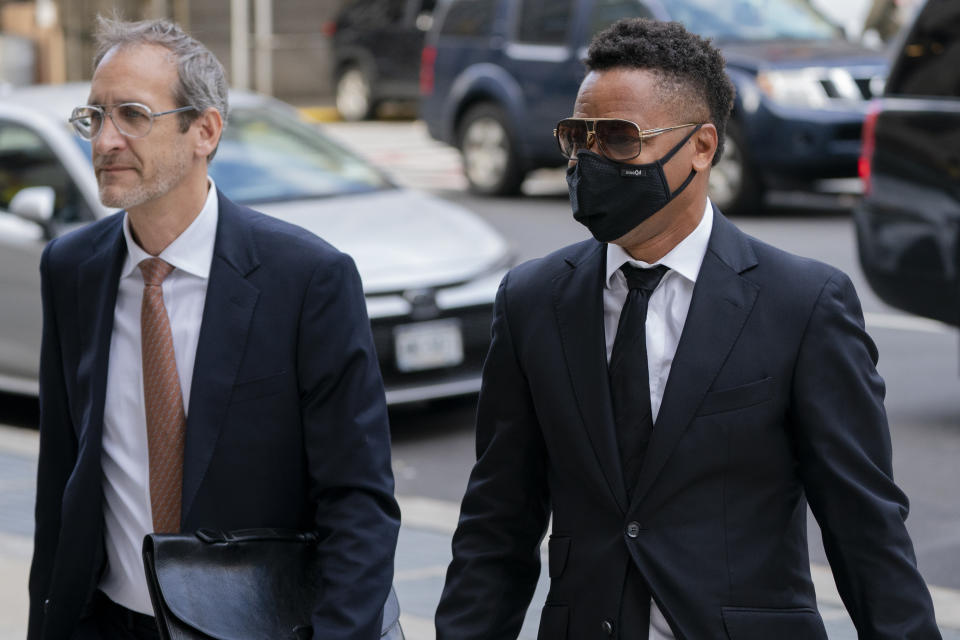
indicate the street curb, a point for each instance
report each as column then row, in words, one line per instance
column 441, row 516
column 20, row 441
column 903, row 322
column 320, row 114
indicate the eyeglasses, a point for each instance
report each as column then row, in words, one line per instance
column 617, row 139
column 132, row 119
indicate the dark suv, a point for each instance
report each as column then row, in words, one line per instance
column 496, row 75
column 908, row 223
column 376, row 51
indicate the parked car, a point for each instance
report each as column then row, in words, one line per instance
column 908, row 222
column 376, row 50
column 430, row 269
column 496, row 75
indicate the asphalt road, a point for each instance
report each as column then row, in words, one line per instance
column 433, row 444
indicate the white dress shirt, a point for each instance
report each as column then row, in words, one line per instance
column 666, row 314
column 126, row 470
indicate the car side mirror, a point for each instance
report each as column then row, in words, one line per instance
column 35, row 204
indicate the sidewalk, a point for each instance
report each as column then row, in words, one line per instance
column 423, row 554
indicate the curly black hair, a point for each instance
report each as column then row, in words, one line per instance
column 688, row 67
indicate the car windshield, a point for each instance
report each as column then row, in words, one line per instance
column 265, row 156
column 753, row 19
column 731, row 20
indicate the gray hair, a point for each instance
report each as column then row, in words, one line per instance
column 201, row 83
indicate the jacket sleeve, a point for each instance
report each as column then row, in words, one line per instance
column 844, row 449
column 58, row 453
column 503, row 518
column 347, row 440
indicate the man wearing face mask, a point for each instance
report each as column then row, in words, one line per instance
column 674, row 393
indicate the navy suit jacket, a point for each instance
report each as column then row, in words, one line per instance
column 287, row 424
column 773, row 400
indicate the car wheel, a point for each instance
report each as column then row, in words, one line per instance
column 353, row 95
column 735, row 187
column 489, row 154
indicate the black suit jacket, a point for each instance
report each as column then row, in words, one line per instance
column 287, row 424
column 772, row 401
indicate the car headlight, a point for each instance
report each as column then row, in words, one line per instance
column 795, row 88
column 812, row 87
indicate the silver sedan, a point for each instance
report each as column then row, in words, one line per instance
column 430, row 268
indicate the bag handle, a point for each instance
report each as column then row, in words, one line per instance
column 216, row 536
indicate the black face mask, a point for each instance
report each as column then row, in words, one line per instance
column 611, row 198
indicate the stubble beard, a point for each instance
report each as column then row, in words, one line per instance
column 169, row 173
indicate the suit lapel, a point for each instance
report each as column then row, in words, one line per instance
column 227, row 313
column 98, row 279
column 722, row 301
column 578, row 301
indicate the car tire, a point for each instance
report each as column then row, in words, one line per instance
column 354, row 96
column 490, row 161
column 735, row 186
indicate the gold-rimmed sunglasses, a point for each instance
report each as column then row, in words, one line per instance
column 617, row 139
column 132, row 119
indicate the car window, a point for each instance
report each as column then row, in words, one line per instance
column 468, row 18
column 544, row 21
column 730, row 20
column 754, row 19
column 26, row 160
column 930, row 58
column 265, row 156
column 607, row 12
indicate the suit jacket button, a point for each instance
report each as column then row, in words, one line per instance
column 633, row 529
column 607, row 627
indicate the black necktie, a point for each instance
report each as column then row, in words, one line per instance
column 629, row 377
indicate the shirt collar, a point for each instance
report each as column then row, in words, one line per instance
column 685, row 258
column 191, row 251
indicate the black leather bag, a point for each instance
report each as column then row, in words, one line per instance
column 254, row 584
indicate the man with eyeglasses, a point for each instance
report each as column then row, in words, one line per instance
column 203, row 366
column 672, row 394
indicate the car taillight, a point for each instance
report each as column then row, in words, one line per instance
column 427, row 59
column 329, row 28
column 868, row 145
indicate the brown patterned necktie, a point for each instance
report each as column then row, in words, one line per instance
column 163, row 402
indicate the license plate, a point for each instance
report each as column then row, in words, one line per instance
column 428, row 345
